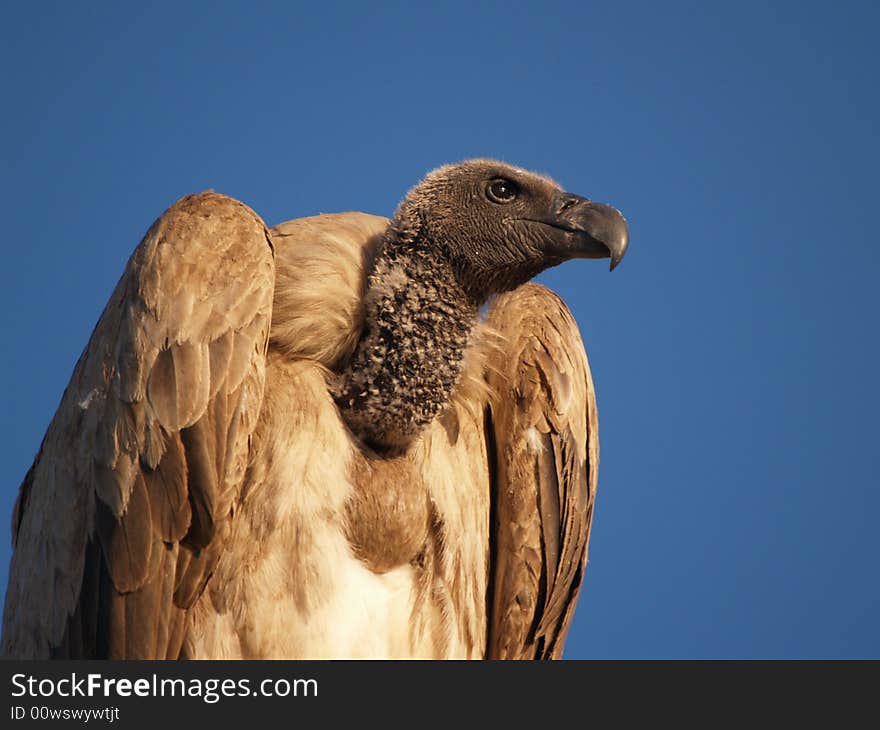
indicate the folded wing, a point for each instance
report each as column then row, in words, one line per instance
column 543, row 432
column 126, row 509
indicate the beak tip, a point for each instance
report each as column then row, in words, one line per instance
column 617, row 253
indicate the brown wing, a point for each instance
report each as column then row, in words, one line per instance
column 543, row 429
column 125, row 511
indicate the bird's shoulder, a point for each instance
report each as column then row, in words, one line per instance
column 322, row 264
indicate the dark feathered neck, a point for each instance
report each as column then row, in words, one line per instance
column 409, row 358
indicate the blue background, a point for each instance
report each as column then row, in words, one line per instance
column 734, row 350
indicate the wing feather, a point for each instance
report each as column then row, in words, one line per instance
column 125, row 510
column 544, row 431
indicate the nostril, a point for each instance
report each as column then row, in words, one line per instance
column 567, row 203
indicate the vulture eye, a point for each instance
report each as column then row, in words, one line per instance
column 501, row 191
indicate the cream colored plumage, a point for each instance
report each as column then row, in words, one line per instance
column 198, row 493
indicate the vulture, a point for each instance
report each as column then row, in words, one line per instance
column 343, row 437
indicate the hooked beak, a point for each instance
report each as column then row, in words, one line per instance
column 590, row 230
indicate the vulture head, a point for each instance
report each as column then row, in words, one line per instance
column 466, row 232
column 498, row 225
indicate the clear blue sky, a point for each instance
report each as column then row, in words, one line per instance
column 734, row 351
